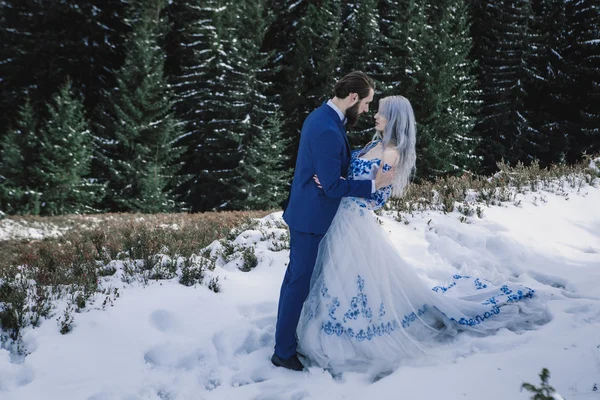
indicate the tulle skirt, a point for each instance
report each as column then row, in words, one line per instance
column 367, row 306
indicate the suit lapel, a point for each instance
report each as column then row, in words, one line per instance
column 345, row 135
column 336, row 117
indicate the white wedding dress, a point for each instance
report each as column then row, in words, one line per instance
column 367, row 306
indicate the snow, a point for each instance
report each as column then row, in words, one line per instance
column 168, row 341
column 17, row 229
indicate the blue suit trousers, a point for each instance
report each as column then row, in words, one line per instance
column 294, row 290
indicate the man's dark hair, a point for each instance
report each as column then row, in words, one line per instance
column 354, row 82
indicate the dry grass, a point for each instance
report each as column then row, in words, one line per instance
column 446, row 194
column 34, row 273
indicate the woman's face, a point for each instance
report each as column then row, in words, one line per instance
column 380, row 122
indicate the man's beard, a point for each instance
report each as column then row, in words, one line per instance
column 352, row 114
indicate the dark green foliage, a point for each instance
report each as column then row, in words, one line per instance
column 208, row 88
column 583, row 57
column 180, row 94
column 135, row 144
column 263, row 177
column 441, row 87
column 249, row 258
column 44, row 42
column 545, row 391
column 360, row 50
column 503, row 49
column 547, row 84
column 304, row 41
column 65, row 150
column 47, row 168
column 19, row 151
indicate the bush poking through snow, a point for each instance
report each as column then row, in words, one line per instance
column 192, row 270
column 214, row 284
column 249, row 258
column 545, row 391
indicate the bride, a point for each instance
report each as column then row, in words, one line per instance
column 366, row 305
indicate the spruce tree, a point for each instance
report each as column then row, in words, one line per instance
column 19, row 156
column 136, row 136
column 422, row 53
column 263, row 177
column 584, row 61
column 313, row 62
column 258, row 120
column 207, row 90
column 547, row 84
column 401, row 23
column 433, row 72
column 360, row 49
column 303, row 42
column 502, row 124
column 65, row 157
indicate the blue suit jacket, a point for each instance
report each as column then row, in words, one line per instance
column 324, row 150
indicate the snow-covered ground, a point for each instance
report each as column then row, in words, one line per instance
column 167, row 341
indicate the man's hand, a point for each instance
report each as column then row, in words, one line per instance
column 316, row 179
column 384, row 179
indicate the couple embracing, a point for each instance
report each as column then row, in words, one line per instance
column 348, row 300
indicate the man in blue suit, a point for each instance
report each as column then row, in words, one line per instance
column 324, row 151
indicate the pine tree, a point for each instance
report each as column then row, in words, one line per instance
column 440, row 85
column 502, row 52
column 584, row 61
column 547, row 84
column 136, row 137
column 401, row 24
column 422, row 54
column 263, row 175
column 19, row 151
column 313, row 62
column 208, row 89
column 257, row 114
column 65, row 157
column 304, row 44
column 360, row 49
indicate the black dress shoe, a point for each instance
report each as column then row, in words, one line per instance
column 290, row 363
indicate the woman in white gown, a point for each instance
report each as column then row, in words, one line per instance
column 366, row 305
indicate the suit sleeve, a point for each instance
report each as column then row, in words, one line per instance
column 326, row 150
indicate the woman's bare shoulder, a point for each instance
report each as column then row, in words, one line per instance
column 391, row 156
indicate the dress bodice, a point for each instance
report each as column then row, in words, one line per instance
column 366, row 169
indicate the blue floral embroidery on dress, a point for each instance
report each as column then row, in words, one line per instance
column 479, row 285
column 360, row 168
column 335, row 303
column 381, row 310
column 491, row 300
column 364, row 334
column 410, row 318
column 520, row 295
column 324, row 291
column 359, row 304
column 443, row 289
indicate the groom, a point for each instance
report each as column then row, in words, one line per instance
column 324, row 151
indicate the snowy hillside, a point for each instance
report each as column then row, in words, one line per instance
column 163, row 340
